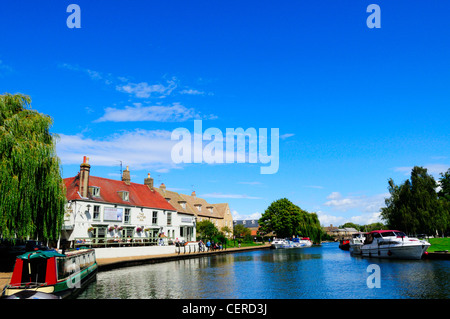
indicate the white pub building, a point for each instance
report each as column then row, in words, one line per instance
column 104, row 212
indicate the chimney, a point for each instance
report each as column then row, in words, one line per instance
column 163, row 187
column 126, row 176
column 193, row 193
column 85, row 169
column 149, row 181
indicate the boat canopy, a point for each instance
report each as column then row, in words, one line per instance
column 383, row 231
column 40, row 254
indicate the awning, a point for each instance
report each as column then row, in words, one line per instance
column 40, row 254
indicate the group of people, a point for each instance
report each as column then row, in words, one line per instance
column 209, row 246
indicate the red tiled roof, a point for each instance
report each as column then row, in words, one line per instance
column 139, row 194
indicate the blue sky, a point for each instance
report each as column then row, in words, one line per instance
column 355, row 106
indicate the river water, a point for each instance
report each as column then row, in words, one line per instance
column 319, row 272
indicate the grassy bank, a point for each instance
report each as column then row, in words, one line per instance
column 439, row 244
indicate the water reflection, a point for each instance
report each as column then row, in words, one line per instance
column 317, row 272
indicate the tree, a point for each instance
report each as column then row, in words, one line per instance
column 414, row 206
column 444, row 202
column 241, row 231
column 286, row 220
column 32, row 193
column 206, row 229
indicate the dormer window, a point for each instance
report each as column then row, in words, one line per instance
column 182, row 204
column 95, row 191
column 210, row 208
column 124, row 195
column 199, row 207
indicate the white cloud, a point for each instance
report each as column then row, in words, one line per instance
column 433, row 169
column 123, row 84
column 108, row 79
column 172, row 113
column 334, row 196
column 287, row 135
column 363, row 219
column 139, row 149
column 366, row 219
column 145, row 90
column 326, row 219
column 238, row 216
column 362, row 203
column 235, row 196
column 192, row 92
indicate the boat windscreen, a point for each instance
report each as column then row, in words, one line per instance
column 400, row 234
column 388, row 234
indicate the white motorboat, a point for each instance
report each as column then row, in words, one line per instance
column 356, row 243
column 393, row 244
column 278, row 243
column 303, row 242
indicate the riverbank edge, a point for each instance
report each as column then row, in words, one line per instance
column 105, row 264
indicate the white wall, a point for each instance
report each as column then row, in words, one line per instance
column 118, row 252
column 79, row 217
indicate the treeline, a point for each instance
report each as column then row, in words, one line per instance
column 286, row 219
column 365, row 228
column 420, row 205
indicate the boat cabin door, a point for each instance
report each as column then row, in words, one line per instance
column 34, row 270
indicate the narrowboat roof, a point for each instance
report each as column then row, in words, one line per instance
column 40, row 254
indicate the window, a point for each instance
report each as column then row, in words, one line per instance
column 96, row 212
column 169, row 219
column 199, row 207
column 127, row 232
column 155, row 218
column 182, row 204
column 124, row 195
column 95, row 191
column 127, row 216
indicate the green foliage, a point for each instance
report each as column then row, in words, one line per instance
column 206, row 229
column 414, row 206
column 286, row 220
column 241, row 231
column 32, row 193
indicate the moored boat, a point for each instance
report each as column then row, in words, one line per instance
column 278, row 243
column 306, row 241
column 344, row 244
column 356, row 243
column 393, row 244
column 49, row 274
column 303, row 242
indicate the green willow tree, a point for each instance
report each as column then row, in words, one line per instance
column 32, row 193
column 286, row 219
